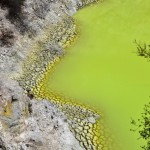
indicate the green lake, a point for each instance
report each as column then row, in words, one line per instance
column 102, row 68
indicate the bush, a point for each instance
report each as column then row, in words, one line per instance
column 143, row 49
column 142, row 126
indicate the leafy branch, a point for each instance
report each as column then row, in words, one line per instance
column 142, row 126
column 143, row 49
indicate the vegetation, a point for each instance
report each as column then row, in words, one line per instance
column 142, row 126
column 143, row 49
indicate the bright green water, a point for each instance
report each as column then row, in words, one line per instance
column 102, row 68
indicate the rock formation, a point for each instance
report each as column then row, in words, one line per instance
column 33, row 38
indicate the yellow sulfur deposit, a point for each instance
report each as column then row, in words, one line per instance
column 46, row 53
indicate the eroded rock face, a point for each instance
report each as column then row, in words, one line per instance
column 26, row 123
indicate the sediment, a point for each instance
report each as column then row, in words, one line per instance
column 30, row 47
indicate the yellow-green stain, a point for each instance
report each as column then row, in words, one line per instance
column 102, row 68
column 8, row 110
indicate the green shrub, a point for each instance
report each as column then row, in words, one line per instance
column 143, row 49
column 142, row 126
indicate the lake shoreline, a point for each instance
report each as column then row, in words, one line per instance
column 29, row 34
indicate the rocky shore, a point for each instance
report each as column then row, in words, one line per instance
column 33, row 36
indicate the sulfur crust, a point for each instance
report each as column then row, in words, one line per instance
column 84, row 123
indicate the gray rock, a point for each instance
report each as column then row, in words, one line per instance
column 32, row 124
column 27, row 123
